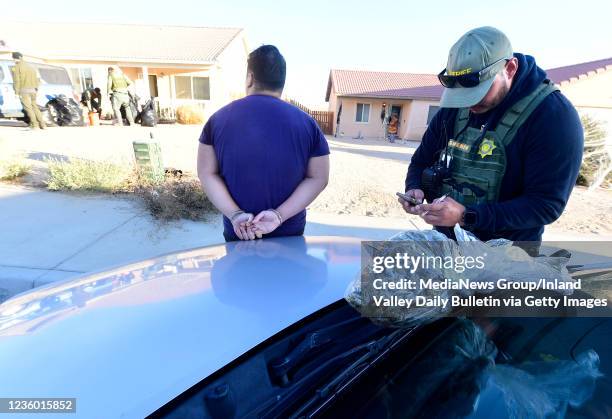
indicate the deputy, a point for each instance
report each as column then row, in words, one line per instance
column 117, row 87
column 25, row 84
column 505, row 147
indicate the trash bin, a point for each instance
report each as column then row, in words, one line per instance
column 149, row 159
column 94, row 119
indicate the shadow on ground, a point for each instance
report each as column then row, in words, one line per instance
column 39, row 156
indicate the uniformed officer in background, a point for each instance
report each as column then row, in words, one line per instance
column 118, row 84
column 25, row 83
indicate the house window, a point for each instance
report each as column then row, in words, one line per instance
column 432, row 111
column 363, row 112
column 182, row 85
column 201, row 88
column 187, row 87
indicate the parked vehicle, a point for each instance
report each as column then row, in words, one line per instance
column 261, row 329
column 54, row 83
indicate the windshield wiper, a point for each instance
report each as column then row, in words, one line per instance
column 313, row 343
column 361, row 358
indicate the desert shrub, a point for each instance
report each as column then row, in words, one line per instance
column 190, row 115
column 595, row 157
column 14, row 168
column 87, row 175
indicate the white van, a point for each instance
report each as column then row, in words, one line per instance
column 54, row 81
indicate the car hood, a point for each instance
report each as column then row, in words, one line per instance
column 126, row 341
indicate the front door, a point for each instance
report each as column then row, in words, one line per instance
column 396, row 109
column 153, row 85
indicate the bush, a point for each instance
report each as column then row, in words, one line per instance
column 87, row 175
column 595, row 159
column 13, row 169
column 177, row 197
column 189, row 114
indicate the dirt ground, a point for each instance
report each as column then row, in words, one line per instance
column 365, row 174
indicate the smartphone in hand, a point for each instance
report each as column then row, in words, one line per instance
column 410, row 199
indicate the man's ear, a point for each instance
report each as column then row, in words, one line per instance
column 250, row 80
column 511, row 67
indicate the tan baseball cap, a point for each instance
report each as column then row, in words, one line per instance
column 482, row 50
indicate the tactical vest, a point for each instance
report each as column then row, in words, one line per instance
column 478, row 163
column 119, row 82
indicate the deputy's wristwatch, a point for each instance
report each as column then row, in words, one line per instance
column 469, row 217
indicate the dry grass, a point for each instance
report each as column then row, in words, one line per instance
column 178, row 197
column 87, row 175
column 14, row 168
column 189, row 115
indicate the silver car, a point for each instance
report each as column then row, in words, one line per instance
column 260, row 329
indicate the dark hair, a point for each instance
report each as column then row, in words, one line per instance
column 17, row 55
column 111, row 69
column 268, row 67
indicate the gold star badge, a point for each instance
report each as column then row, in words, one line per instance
column 486, row 148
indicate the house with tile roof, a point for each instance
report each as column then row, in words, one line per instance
column 176, row 64
column 589, row 87
column 361, row 100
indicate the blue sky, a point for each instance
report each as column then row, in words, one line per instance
column 315, row 35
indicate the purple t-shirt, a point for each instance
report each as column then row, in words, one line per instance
column 263, row 145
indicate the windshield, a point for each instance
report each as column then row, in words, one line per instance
column 53, row 75
column 550, row 364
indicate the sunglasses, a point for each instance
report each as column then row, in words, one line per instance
column 466, row 80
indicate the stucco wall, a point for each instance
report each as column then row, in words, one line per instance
column 592, row 95
column 229, row 75
column 417, row 123
column 348, row 125
column 594, row 90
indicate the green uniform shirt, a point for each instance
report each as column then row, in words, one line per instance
column 24, row 77
column 118, row 82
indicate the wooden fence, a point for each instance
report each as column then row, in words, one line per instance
column 324, row 119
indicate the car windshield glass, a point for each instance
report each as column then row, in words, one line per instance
column 521, row 357
column 54, row 75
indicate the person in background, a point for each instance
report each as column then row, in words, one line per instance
column 92, row 98
column 25, row 83
column 117, row 88
column 392, row 128
column 261, row 161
